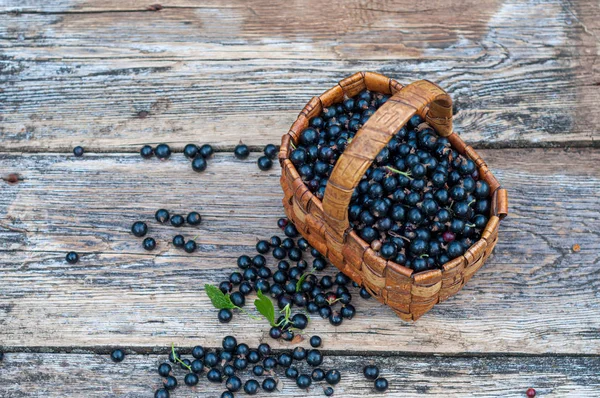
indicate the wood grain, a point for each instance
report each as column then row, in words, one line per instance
column 112, row 76
column 533, row 296
column 89, row 375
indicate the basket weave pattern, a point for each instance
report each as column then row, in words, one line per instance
column 325, row 224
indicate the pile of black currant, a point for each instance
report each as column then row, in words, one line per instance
column 140, row 229
column 420, row 204
column 196, row 154
column 292, row 284
column 233, row 359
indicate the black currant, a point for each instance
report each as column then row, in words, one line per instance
column 190, row 151
column 177, row 220
column 178, row 241
column 241, row 151
column 199, row 164
column 270, row 151
column 190, row 246
column 146, row 152
column 72, row 258
column 164, row 369
column 139, row 229
column 162, row 151
column 170, row 383
column 264, row 163
column 78, row 151
column 149, row 244
column 333, row 377
column 206, row 151
column 371, row 372
column 233, row 383
column 251, row 387
column 191, row 379
column 303, row 381
column 315, row 341
column 214, row 375
column 225, row 315
column 161, row 393
column 194, row 218
column 162, row 215
column 381, row 384
column 269, row 384
column 117, row 355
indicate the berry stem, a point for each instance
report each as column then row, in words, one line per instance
column 404, row 173
column 176, row 357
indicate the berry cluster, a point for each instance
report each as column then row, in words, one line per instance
column 226, row 364
column 196, row 154
column 292, row 284
column 420, row 204
column 140, row 229
column 266, row 162
column 371, row 372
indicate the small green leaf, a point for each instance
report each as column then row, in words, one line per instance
column 219, row 299
column 264, row 305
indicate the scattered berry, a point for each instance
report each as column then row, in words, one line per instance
column 162, row 151
column 72, row 258
column 269, row 384
column 530, row 392
column 161, row 393
column 147, row 153
column 251, row 387
column 315, row 341
column 225, row 315
column 194, row 218
column 199, row 164
column 241, row 151
column 206, row 151
column 149, row 244
column 328, row 391
column 381, row 384
column 170, row 383
column 233, row 384
column 162, row 216
column 333, row 377
column 190, row 151
column 164, row 369
column 270, row 151
column 191, row 379
column 117, row 355
column 264, row 163
column 190, row 246
column 139, row 229
column 303, row 381
column 371, row 372
column 177, row 220
column 78, row 151
column 178, row 241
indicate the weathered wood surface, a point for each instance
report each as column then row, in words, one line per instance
column 111, row 75
column 90, row 375
column 533, row 296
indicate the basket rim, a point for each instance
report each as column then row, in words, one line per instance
column 293, row 135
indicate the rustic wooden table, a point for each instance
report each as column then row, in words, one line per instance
column 113, row 75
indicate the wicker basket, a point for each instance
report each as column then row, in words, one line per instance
column 325, row 224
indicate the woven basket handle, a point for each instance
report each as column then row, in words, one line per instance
column 421, row 97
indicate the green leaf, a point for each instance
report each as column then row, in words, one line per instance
column 264, row 305
column 219, row 299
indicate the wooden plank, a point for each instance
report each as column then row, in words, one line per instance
column 533, row 296
column 90, row 375
column 77, row 73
